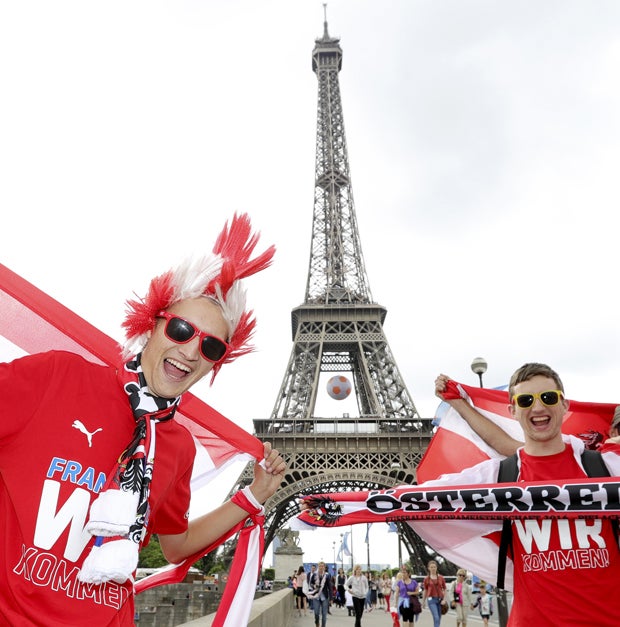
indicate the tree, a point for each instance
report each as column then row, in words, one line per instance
column 206, row 563
column 151, row 555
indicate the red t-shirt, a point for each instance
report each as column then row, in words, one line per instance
column 51, row 471
column 565, row 570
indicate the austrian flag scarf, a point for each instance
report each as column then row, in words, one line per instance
column 586, row 498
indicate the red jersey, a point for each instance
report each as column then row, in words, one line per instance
column 560, row 566
column 64, row 423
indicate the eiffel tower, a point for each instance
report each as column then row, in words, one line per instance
column 339, row 329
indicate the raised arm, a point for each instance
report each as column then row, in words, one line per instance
column 491, row 433
column 206, row 529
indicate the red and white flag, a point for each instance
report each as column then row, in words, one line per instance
column 33, row 322
column 456, row 446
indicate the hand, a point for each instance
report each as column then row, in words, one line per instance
column 268, row 479
column 440, row 385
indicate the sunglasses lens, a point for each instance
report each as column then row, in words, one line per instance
column 525, row 400
column 550, row 398
column 178, row 330
column 212, row 348
column 181, row 331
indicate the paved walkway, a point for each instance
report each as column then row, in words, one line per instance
column 380, row 618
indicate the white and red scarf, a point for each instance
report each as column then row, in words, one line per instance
column 34, row 322
column 463, row 522
column 119, row 515
column 583, row 498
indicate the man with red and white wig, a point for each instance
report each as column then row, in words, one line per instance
column 92, row 462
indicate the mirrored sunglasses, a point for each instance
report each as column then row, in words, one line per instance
column 181, row 331
column 549, row 398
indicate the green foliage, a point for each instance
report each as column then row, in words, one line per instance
column 269, row 574
column 218, row 567
column 206, row 563
column 151, row 556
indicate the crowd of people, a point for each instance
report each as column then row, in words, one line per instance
column 397, row 593
column 356, row 592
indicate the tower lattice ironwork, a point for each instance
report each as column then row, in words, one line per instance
column 339, row 329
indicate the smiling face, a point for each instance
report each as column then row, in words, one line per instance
column 541, row 424
column 170, row 368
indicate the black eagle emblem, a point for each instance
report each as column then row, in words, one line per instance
column 323, row 508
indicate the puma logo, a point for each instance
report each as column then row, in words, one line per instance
column 77, row 424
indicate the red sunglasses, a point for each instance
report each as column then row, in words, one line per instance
column 181, row 331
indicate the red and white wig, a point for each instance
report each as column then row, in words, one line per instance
column 216, row 276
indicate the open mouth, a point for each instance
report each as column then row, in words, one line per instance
column 540, row 421
column 175, row 369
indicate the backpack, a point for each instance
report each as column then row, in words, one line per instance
column 594, row 466
column 592, row 462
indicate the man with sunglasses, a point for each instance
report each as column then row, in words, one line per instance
column 493, row 434
column 92, row 462
column 550, row 557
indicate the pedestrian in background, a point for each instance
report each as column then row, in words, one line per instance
column 409, row 606
column 300, row 591
column 484, row 603
column 320, row 592
column 459, row 597
column 434, row 592
column 386, row 589
column 357, row 584
column 340, row 588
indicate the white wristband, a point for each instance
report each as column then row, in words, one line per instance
column 250, row 497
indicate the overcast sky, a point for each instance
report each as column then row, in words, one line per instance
column 484, row 145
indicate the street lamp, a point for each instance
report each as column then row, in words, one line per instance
column 479, row 366
column 342, row 551
column 334, row 550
